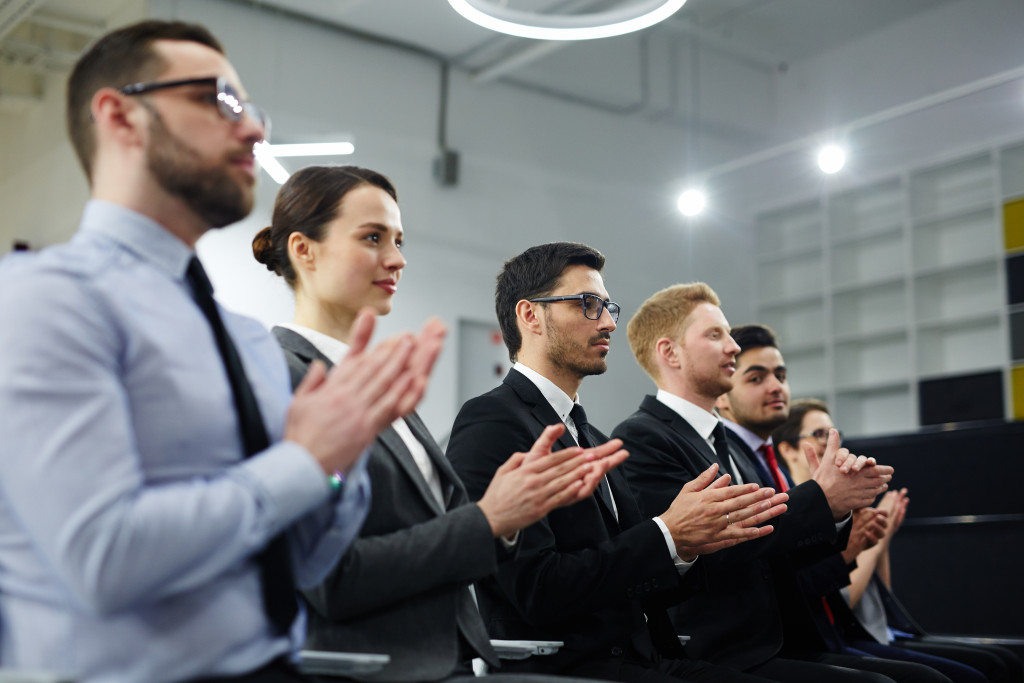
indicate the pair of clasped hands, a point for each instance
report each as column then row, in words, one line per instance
column 336, row 415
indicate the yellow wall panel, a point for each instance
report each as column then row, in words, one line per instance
column 1013, row 225
column 1017, row 378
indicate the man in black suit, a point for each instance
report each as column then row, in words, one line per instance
column 681, row 339
column 402, row 588
column 595, row 574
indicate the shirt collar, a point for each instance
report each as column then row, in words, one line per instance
column 753, row 441
column 139, row 234
column 558, row 399
column 700, row 419
column 334, row 349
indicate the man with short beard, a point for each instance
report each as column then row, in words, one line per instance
column 596, row 575
column 162, row 493
column 747, row 608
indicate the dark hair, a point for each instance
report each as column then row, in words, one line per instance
column 789, row 431
column 306, row 203
column 118, row 59
column 535, row 273
column 753, row 337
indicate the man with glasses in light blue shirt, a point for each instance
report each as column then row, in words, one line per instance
column 161, row 493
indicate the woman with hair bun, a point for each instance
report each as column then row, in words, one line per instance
column 403, row 586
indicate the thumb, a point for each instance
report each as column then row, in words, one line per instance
column 702, row 480
column 314, row 377
column 812, row 458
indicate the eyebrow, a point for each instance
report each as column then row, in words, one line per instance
column 761, row 368
column 380, row 227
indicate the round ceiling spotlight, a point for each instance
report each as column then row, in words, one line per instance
column 692, row 202
column 831, row 159
column 615, row 22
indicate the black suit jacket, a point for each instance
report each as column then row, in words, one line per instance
column 402, row 588
column 746, row 598
column 820, row 580
column 579, row 575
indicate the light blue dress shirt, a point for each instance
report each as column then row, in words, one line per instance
column 128, row 515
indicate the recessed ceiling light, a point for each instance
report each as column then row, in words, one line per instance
column 831, row 159
column 692, row 202
column 634, row 17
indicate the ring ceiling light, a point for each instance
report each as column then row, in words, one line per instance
column 635, row 16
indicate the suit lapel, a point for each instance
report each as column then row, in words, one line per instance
column 683, row 430
column 449, row 479
column 393, row 444
column 299, row 345
column 546, row 415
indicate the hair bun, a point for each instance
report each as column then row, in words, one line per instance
column 263, row 249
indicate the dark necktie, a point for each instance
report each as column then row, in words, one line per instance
column 722, row 449
column 579, row 418
column 781, row 485
column 278, row 582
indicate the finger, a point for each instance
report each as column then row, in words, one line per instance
column 513, row 462
column 702, row 480
column 362, row 330
column 313, row 378
column 547, row 439
column 761, row 517
column 810, row 456
column 844, row 460
column 859, row 463
column 605, row 449
column 429, row 343
column 721, row 482
column 735, row 498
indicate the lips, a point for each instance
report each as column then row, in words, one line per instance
column 389, row 286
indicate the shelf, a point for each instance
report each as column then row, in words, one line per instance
column 870, row 234
column 956, row 293
column 945, row 189
column 881, row 410
column 807, row 371
column 880, row 283
column 872, row 361
column 866, row 210
column 960, row 348
column 798, row 278
column 1011, row 162
column 954, row 322
column 869, row 309
column 991, row 261
column 794, row 253
column 788, row 228
column 958, row 238
column 800, row 300
column 899, row 330
column 867, row 388
column 798, row 326
column 865, row 262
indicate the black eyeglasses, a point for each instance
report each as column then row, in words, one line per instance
column 229, row 104
column 593, row 305
column 821, row 435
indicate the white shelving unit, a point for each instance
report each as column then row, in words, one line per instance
column 873, row 289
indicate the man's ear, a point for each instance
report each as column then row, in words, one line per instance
column 116, row 116
column 300, row 251
column 723, row 405
column 667, row 353
column 527, row 317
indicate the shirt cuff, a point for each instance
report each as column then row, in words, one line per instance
column 510, row 543
column 844, row 521
column 682, row 566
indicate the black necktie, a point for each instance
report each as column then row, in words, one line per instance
column 579, row 418
column 275, row 566
column 722, row 449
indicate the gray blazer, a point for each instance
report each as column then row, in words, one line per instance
column 402, row 588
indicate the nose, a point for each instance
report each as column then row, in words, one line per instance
column 253, row 126
column 731, row 347
column 393, row 259
column 606, row 322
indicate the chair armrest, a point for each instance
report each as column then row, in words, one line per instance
column 338, row 663
column 521, row 649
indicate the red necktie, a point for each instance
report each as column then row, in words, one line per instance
column 773, row 467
